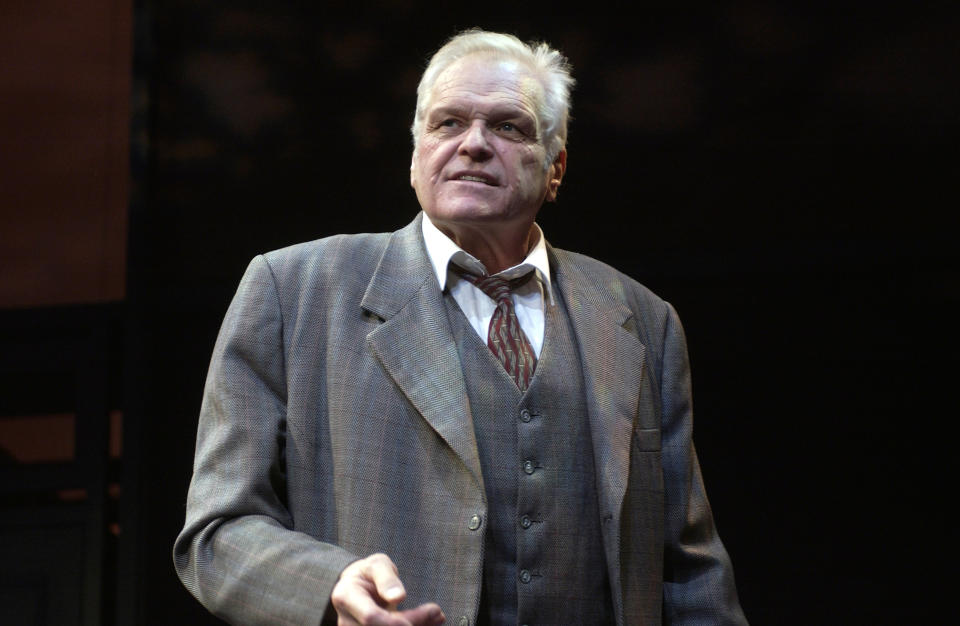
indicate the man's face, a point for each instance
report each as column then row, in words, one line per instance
column 480, row 157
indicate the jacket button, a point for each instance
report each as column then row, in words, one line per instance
column 525, row 415
column 525, row 576
column 475, row 522
column 528, row 467
column 463, row 621
column 525, row 521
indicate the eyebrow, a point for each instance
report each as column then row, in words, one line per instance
column 497, row 113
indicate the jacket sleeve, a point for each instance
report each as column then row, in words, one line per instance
column 698, row 586
column 237, row 553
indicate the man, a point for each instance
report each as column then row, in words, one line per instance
column 455, row 415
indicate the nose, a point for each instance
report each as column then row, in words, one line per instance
column 474, row 142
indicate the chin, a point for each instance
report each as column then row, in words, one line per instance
column 468, row 213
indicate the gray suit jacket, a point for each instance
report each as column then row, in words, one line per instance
column 335, row 424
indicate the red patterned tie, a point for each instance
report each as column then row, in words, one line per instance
column 505, row 336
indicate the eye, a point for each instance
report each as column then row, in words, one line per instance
column 511, row 130
column 450, row 123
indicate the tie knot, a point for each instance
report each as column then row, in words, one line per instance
column 496, row 287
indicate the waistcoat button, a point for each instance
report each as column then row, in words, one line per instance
column 525, row 576
column 528, row 467
column 525, row 521
column 525, row 415
column 474, row 522
column 464, row 621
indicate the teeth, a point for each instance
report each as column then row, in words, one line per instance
column 475, row 179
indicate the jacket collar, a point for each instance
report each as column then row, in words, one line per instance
column 415, row 343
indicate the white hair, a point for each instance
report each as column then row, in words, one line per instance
column 549, row 66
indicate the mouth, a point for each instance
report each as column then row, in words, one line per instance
column 475, row 177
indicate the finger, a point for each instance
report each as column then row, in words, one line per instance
column 428, row 614
column 352, row 599
column 360, row 609
column 381, row 570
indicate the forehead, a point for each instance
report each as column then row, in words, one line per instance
column 479, row 80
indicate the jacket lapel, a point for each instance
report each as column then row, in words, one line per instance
column 415, row 344
column 613, row 360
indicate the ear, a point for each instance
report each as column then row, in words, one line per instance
column 413, row 167
column 555, row 175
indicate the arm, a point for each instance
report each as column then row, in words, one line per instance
column 237, row 552
column 698, row 586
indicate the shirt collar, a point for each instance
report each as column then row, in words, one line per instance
column 442, row 251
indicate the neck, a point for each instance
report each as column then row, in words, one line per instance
column 496, row 248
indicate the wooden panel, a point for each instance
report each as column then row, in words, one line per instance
column 37, row 438
column 64, row 107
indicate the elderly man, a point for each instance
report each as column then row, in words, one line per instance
column 455, row 415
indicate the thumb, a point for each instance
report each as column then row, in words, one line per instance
column 383, row 573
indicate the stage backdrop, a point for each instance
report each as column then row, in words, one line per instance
column 783, row 173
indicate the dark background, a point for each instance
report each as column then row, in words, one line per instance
column 782, row 172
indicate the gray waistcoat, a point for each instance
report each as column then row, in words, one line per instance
column 543, row 552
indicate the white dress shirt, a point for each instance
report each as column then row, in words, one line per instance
column 529, row 299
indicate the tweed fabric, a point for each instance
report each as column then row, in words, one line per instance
column 543, row 549
column 506, row 338
column 335, row 423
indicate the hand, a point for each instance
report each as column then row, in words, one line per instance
column 368, row 593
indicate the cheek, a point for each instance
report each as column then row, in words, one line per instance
column 531, row 157
column 435, row 156
column 427, row 144
column 530, row 166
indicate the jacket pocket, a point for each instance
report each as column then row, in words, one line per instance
column 647, row 439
